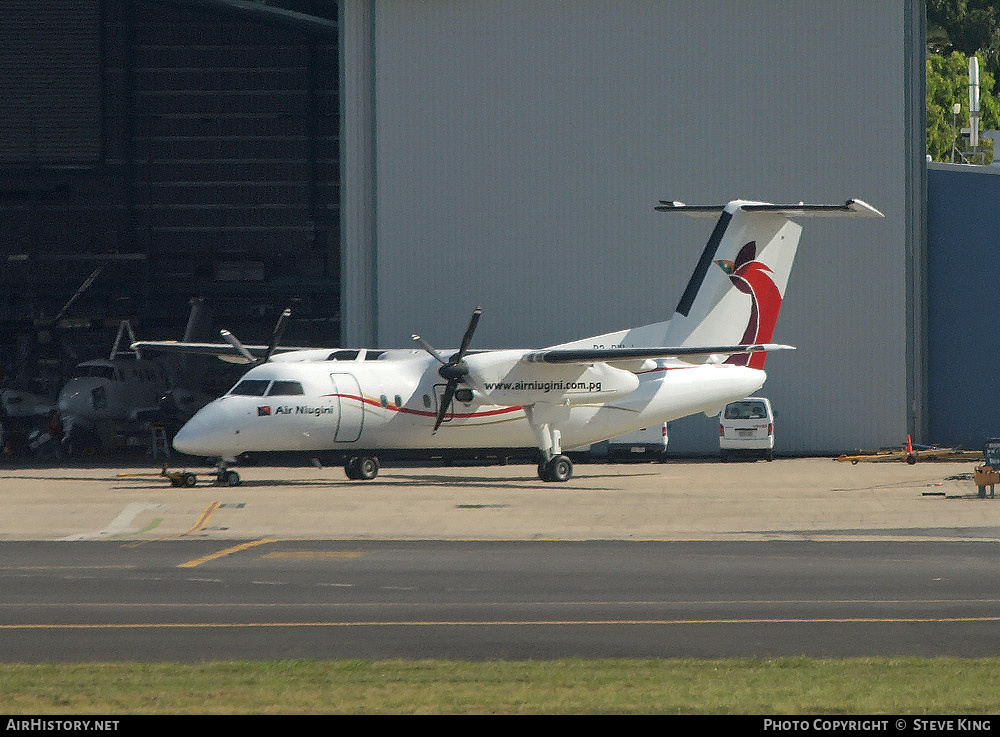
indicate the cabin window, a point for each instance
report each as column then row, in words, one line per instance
column 250, row 388
column 427, row 401
column 285, row 389
column 384, row 401
column 399, row 401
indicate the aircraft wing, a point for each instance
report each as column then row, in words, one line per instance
column 592, row 355
column 222, row 351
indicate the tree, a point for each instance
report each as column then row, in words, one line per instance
column 948, row 84
column 967, row 26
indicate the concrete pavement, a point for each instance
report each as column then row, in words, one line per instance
column 798, row 498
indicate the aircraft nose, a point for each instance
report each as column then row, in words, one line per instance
column 79, row 398
column 206, row 434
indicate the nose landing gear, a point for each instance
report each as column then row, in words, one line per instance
column 224, row 476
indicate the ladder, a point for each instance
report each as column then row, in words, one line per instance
column 158, row 445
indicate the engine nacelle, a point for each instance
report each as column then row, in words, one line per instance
column 512, row 382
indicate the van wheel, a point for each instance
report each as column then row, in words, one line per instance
column 724, row 456
column 769, row 456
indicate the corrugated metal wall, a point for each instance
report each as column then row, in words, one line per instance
column 521, row 146
column 50, row 61
column 183, row 151
column 963, row 233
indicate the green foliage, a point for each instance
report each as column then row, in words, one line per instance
column 967, row 26
column 947, row 84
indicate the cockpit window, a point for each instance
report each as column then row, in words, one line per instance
column 373, row 355
column 342, row 356
column 99, row 371
column 285, row 388
column 251, row 388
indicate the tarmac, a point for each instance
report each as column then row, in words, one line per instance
column 789, row 499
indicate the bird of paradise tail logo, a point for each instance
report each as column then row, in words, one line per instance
column 753, row 277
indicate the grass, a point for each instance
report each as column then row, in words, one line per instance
column 642, row 686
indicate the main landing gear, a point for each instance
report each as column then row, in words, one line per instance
column 557, row 468
column 361, row 468
column 552, row 464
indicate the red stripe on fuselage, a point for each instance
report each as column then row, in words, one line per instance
column 422, row 413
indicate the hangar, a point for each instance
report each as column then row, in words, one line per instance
column 385, row 166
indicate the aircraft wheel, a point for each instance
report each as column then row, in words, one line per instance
column 363, row 468
column 368, row 468
column 560, row 468
column 229, row 478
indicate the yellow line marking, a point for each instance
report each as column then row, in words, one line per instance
column 307, row 554
column 226, row 551
column 205, row 516
column 502, row 623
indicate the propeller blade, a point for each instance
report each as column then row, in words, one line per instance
column 467, row 338
column 83, row 288
column 279, row 329
column 449, row 393
column 235, row 343
column 429, row 348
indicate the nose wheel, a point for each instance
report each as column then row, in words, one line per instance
column 225, row 476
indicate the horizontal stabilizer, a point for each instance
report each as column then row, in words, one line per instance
column 851, row 208
column 592, row 355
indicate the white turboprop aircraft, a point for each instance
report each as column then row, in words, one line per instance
column 363, row 402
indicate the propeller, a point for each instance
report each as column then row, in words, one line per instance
column 279, row 329
column 455, row 370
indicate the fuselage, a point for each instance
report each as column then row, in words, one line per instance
column 111, row 391
column 389, row 400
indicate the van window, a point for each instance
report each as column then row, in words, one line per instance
column 746, row 410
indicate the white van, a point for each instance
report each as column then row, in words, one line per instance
column 747, row 427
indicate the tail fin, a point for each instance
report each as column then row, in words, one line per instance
column 736, row 290
column 735, row 293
